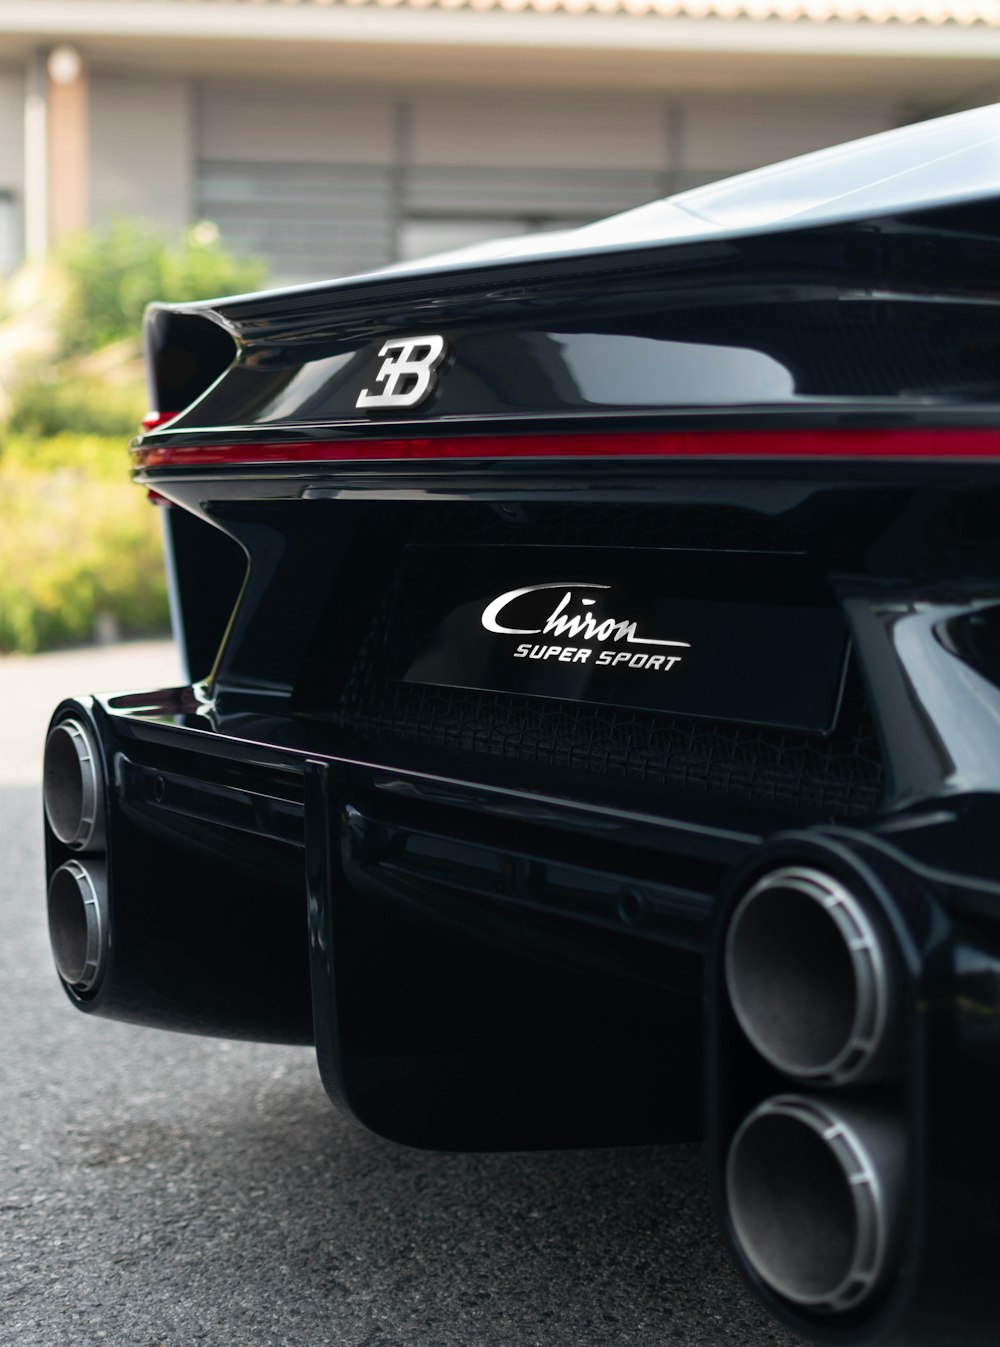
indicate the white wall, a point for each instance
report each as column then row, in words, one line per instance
column 322, row 178
column 321, row 124
column 728, row 135
column 519, row 130
column 142, row 148
column 311, row 124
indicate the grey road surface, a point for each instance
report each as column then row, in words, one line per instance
column 30, row 690
column 163, row 1191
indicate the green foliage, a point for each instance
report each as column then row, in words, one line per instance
column 79, row 546
column 115, row 271
column 42, row 407
column 70, row 457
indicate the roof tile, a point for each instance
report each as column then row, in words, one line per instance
column 963, row 13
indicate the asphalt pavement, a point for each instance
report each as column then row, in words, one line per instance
column 164, row 1191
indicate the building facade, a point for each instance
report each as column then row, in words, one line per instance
column 332, row 136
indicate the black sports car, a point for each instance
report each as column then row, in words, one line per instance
column 594, row 726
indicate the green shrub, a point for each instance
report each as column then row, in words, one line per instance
column 81, row 457
column 45, row 406
column 116, row 270
column 80, row 547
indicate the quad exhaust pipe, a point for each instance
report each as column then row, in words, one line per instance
column 78, row 923
column 815, row 1193
column 815, row 1183
column 74, row 796
column 810, row 980
column 133, row 897
column 72, row 786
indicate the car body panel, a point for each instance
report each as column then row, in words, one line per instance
column 759, row 421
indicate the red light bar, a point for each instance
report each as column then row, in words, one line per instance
column 153, row 420
column 757, row 444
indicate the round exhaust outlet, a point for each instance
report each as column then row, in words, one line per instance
column 72, row 786
column 814, row 1194
column 809, row 980
column 78, row 923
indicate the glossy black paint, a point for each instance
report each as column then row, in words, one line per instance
column 434, row 983
column 665, row 625
column 207, row 569
column 894, row 315
column 888, row 539
column 278, row 672
column 508, row 954
column 205, row 900
column 499, row 910
column 183, row 356
column 924, row 631
column 448, row 1018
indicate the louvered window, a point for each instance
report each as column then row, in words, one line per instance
column 319, row 220
column 308, row 221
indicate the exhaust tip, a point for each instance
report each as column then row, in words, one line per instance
column 813, row 1196
column 72, row 786
column 808, row 978
column 78, row 923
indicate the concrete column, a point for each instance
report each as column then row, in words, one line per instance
column 67, row 133
column 56, row 142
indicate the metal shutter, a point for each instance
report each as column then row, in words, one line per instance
column 528, row 194
column 308, row 220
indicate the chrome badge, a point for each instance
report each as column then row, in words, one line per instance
column 583, row 626
column 408, row 373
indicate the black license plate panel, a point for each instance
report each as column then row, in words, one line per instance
column 749, row 637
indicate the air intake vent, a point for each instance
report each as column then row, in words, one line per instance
column 812, row 776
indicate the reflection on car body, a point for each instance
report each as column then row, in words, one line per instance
column 591, row 731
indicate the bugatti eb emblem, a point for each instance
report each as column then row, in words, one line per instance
column 408, row 373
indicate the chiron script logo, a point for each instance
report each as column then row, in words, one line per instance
column 589, row 629
column 408, row 372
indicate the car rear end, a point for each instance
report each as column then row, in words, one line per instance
column 594, row 730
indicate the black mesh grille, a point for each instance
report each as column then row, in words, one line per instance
column 838, row 776
column 812, row 776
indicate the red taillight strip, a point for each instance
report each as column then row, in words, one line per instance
column 153, row 420
column 761, row 444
